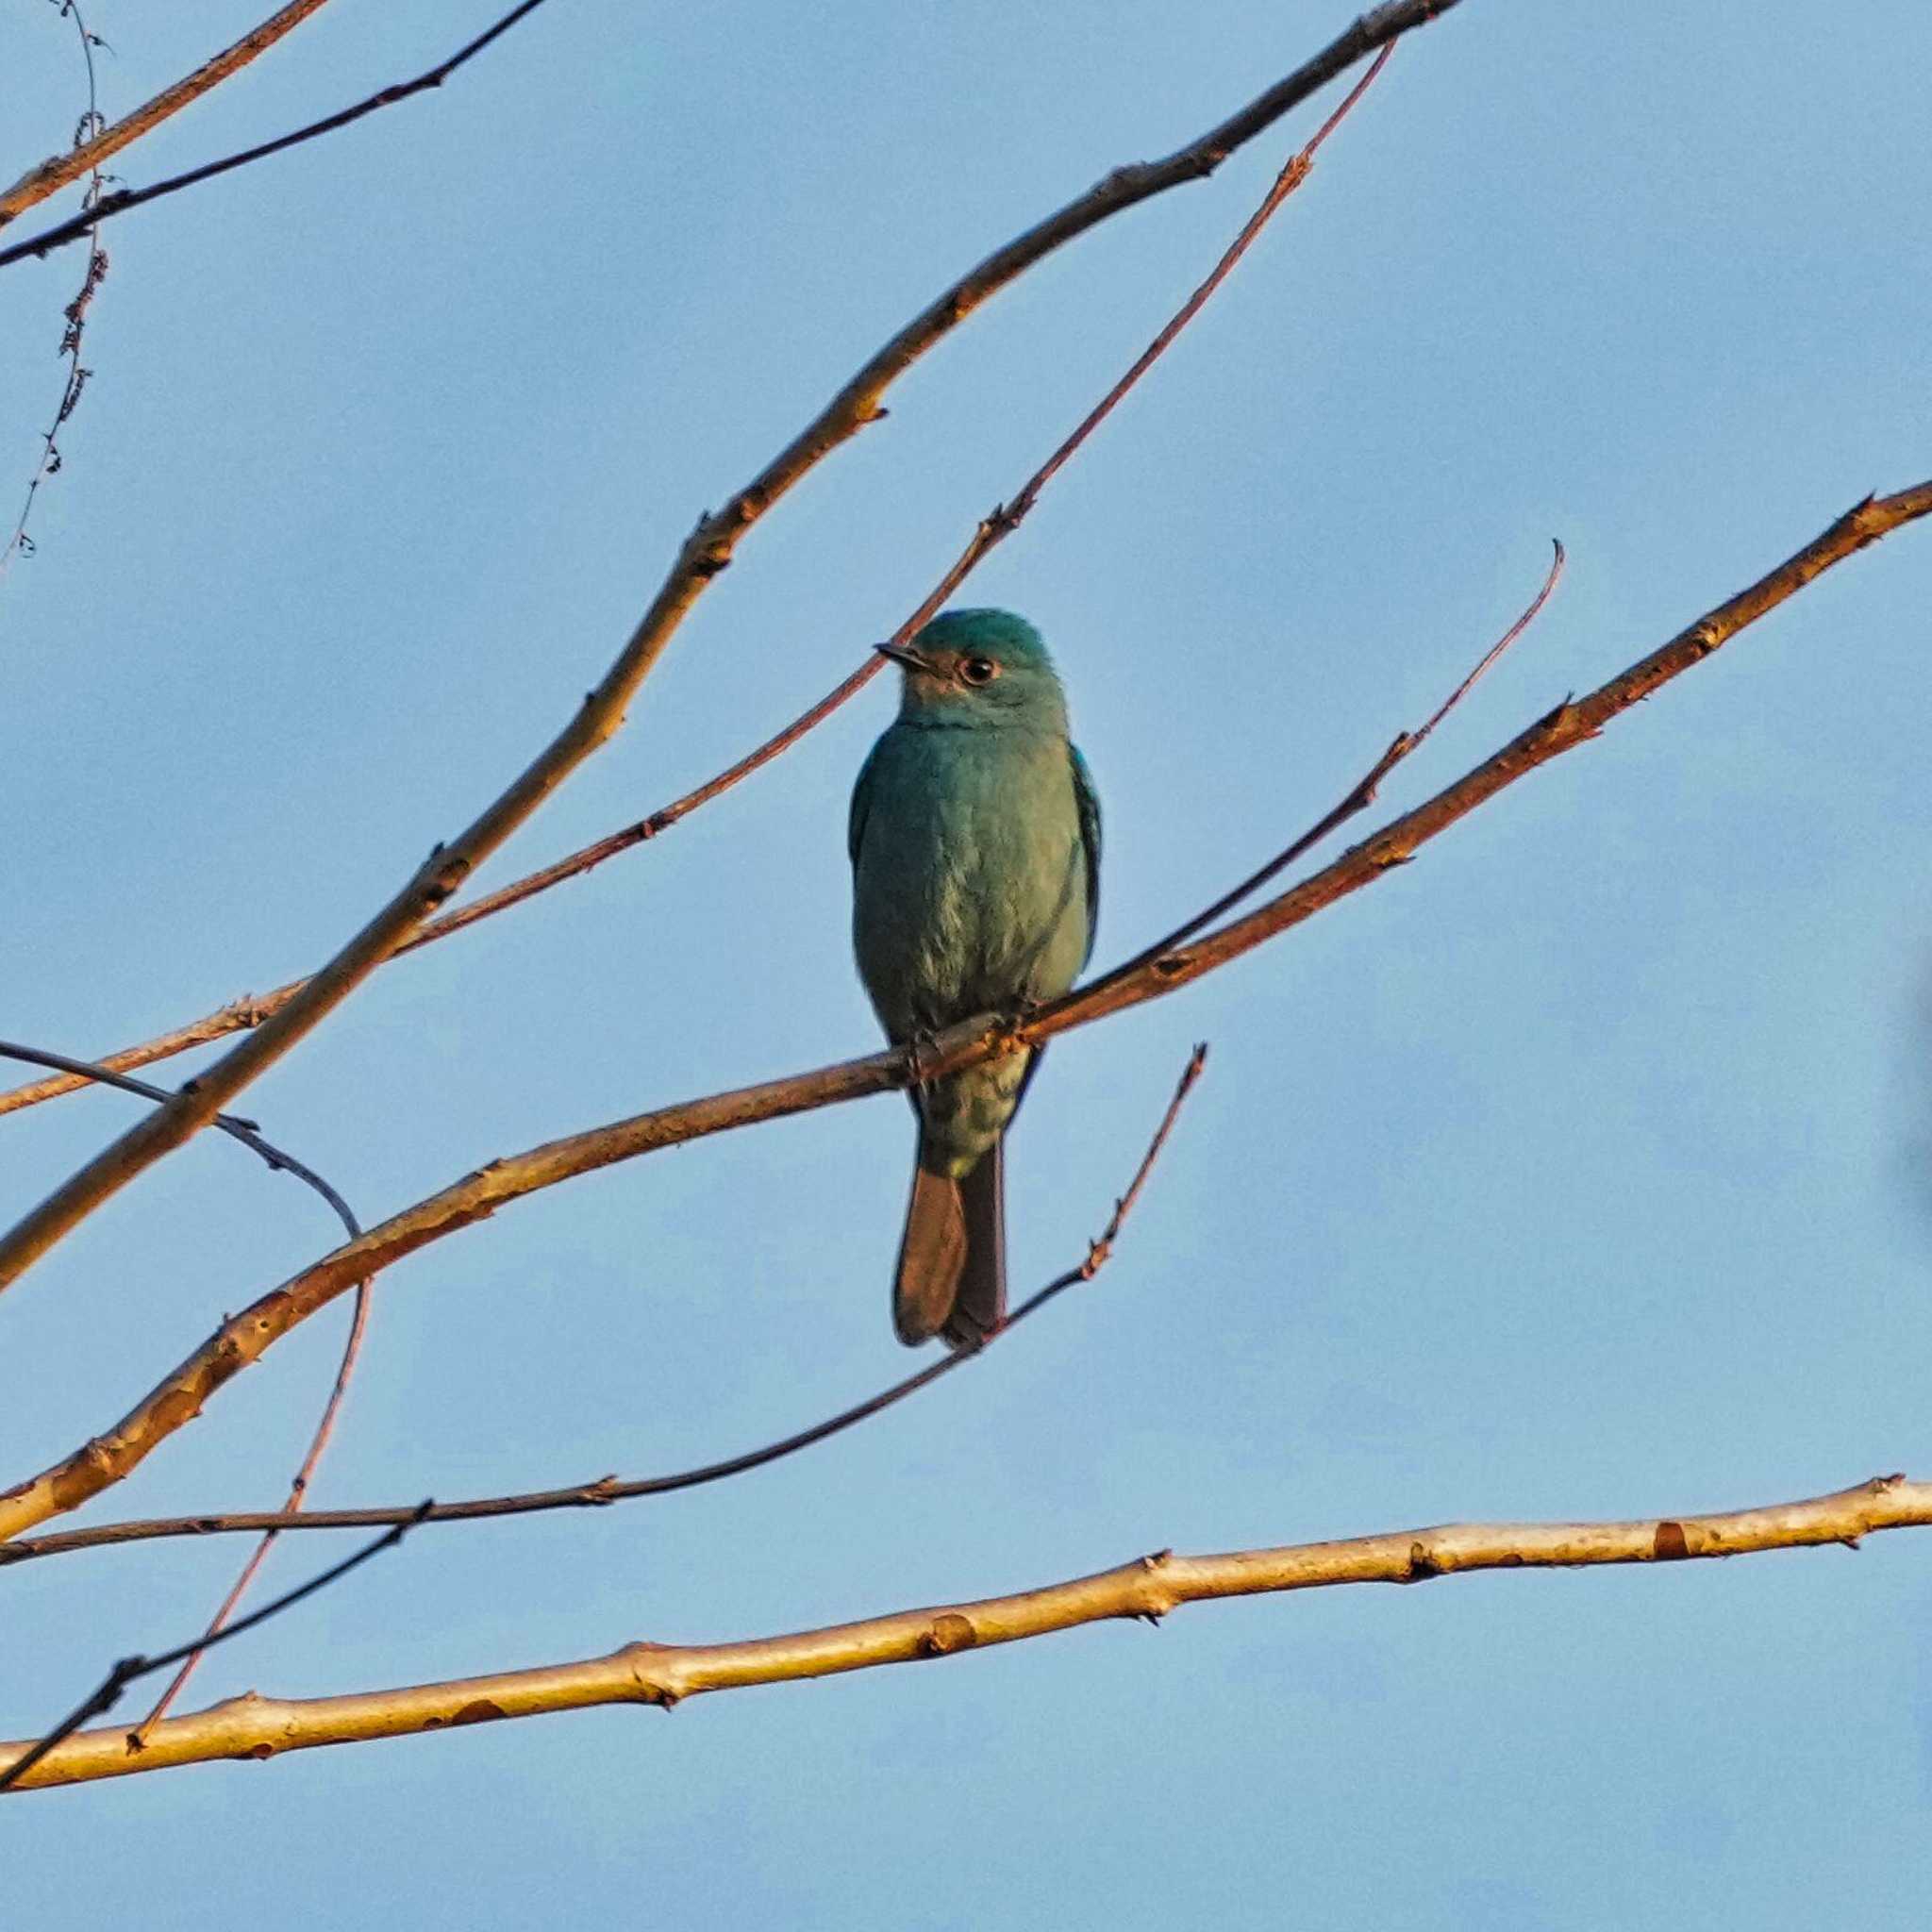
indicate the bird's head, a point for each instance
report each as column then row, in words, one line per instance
column 979, row 667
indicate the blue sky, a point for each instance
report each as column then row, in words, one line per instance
column 1585, row 1168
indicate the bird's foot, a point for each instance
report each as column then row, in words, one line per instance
column 921, row 1042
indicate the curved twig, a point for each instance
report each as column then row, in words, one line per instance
column 86, row 1073
column 610, row 1488
column 706, row 552
column 74, row 314
column 1146, row 1588
column 244, row 1338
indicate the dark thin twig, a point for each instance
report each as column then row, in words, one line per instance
column 20, row 544
column 126, row 198
column 250, row 1135
column 992, row 530
column 242, row 1130
column 132, row 1667
column 609, row 1489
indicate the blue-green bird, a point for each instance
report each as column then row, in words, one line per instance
column 975, row 872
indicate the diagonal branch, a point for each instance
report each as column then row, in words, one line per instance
column 59, row 171
column 705, row 552
column 609, row 1489
column 1148, row 1588
column 122, row 199
column 242, row 1339
column 251, row 1010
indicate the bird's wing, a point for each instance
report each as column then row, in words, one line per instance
column 862, row 803
column 1089, row 802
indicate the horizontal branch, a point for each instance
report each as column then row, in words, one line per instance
column 244, row 1338
column 252, row 1727
column 707, row 551
column 59, row 171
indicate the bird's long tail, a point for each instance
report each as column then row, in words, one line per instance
column 952, row 1275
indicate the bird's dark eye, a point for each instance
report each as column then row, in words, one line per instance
column 978, row 670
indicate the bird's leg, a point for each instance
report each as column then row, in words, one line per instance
column 1019, row 1013
column 922, row 1040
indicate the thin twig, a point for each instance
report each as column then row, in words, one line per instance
column 247, row 1132
column 1357, row 800
column 250, row 1135
column 1146, row 1590
column 251, row 1010
column 130, row 1669
column 243, row 1339
column 74, row 314
column 610, row 1488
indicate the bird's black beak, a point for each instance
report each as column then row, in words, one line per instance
column 904, row 655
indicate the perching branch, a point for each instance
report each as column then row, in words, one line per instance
column 242, row 1339
column 705, row 552
column 610, row 1488
column 124, row 199
column 251, row 1010
column 58, row 170
column 1148, row 1588
column 130, row 1669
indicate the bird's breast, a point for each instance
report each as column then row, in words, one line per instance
column 970, row 884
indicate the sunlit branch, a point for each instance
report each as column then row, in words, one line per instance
column 1148, row 1588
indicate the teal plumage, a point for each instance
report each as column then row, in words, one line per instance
column 975, row 839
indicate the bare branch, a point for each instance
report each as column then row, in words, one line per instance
column 706, row 551
column 250, row 1012
column 242, row 1339
column 131, row 1669
column 610, row 1488
column 58, row 171
column 1148, row 1588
